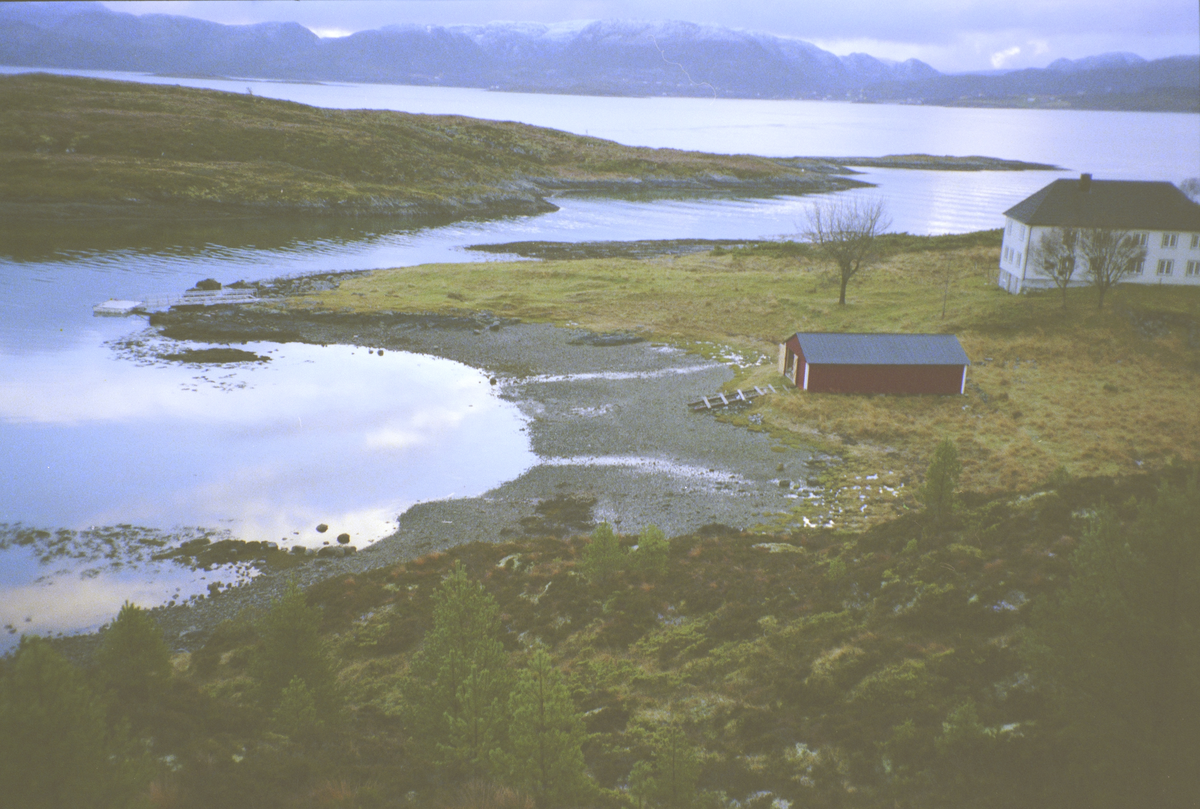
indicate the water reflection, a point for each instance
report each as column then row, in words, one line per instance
column 336, row 435
column 265, row 451
column 70, row 599
column 351, row 439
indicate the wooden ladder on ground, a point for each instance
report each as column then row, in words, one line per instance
column 727, row 399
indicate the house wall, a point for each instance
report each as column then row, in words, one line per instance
column 1019, row 272
column 791, row 361
column 938, row 379
column 1014, row 254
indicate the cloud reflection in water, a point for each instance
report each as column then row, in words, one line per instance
column 265, row 449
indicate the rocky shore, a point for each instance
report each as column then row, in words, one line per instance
column 608, row 420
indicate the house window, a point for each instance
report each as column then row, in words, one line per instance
column 1193, row 268
column 1139, row 239
column 1165, row 266
column 1170, row 239
column 1195, row 240
column 1137, row 267
column 1018, row 259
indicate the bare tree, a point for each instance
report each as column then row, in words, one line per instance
column 1110, row 255
column 1056, row 254
column 846, row 228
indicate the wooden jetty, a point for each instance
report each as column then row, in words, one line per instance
column 157, row 303
column 727, row 399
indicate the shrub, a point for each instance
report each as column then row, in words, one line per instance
column 938, row 492
column 603, row 557
column 296, row 717
column 669, row 778
column 459, row 683
column 55, row 746
column 133, row 660
column 291, row 648
column 650, row 558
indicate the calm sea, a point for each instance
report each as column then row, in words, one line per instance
column 91, row 436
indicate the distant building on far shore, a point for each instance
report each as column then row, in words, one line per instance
column 1157, row 214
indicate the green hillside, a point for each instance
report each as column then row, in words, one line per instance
column 160, row 148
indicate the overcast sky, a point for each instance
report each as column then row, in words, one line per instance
column 951, row 35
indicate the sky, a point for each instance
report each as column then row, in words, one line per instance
column 950, row 35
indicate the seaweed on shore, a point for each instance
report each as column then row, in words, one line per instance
column 214, row 356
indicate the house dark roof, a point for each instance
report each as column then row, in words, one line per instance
column 882, row 349
column 1114, row 204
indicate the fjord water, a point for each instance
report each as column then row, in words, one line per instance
column 94, row 434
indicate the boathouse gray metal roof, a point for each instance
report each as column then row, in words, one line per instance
column 1112, row 204
column 823, row 348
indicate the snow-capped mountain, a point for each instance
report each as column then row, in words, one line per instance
column 637, row 58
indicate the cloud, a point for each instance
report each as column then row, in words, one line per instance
column 1002, row 58
column 936, row 31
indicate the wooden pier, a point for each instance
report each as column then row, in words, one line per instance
column 157, row 303
column 727, row 399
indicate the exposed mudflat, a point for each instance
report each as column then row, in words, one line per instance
column 608, row 419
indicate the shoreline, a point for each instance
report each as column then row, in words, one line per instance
column 607, row 419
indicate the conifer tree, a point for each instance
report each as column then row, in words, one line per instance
column 652, row 552
column 544, row 755
column 296, row 716
column 603, row 557
column 941, row 480
column 1118, row 651
column 291, row 647
column 133, row 660
column 669, row 778
column 459, row 685
column 56, row 749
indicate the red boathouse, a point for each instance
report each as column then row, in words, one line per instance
column 875, row 363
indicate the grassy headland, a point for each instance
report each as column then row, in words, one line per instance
column 157, row 150
column 1047, row 387
column 69, row 140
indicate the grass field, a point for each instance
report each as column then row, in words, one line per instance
column 72, row 140
column 1083, row 388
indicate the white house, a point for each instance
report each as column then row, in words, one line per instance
column 1158, row 214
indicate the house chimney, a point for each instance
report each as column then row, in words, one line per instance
column 1085, row 183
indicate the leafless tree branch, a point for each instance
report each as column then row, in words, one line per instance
column 846, row 230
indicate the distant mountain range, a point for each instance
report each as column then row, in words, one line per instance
column 599, row 58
